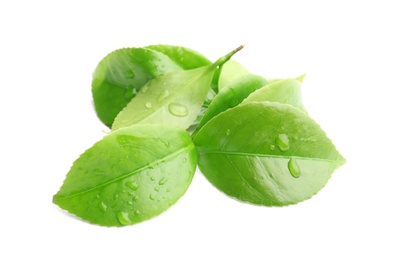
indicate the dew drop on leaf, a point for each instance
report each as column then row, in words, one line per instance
column 184, row 160
column 228, row 132
column 144, row 89
column 129, row 74
column 272, row 146
column 152, row 197
column 148, row 105
column 103, row 206
column 162, row 181
column 282, row 142
column 178, row 109
column 123, row 218
column 129, row 92
column 163, row 95
column 294, row 168
column 132, row 185
column 152, row 178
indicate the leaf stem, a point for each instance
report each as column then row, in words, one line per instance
column 227, row 57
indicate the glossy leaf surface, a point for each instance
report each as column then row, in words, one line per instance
column 186, row 58
column 173, row 99
column 266, row 153
column 131, row 175
column 230, row 72
column 121, row 74
column 286, row 91
column 231, row 96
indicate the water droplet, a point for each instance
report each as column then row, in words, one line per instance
column 103, row 206
column 152, row 197
column 162, row 181
column 272, row 146
column 168, row 190
column 282, row 142
column 129, row 74
column 123, row 218
column 144, row 89
column 228, row 132
column 178, row 109
column 152, row 178
column 129, row 203
column 137, row 212
column 116, row 196
column 132, row 185
column 148, row 105
column 184, row 160
column 156, row 189
column 163, row 95
column 294, row 168
column 129, row 92
column 234, row 102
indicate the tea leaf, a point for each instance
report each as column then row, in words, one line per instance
column 122, row 73
column 266, row 153
column 173, row 99
column 131, row 175
column 285, row 91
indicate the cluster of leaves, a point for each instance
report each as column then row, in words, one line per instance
column 171, row 109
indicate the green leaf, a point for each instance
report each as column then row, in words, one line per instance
column 231, row 96
column 173, row 99
column 266, row 153
column 121, row 74
column 186, row 58
column 286, row 91
column 131, row 175
column 230, row 72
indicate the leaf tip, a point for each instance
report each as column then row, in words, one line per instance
column 302, row 77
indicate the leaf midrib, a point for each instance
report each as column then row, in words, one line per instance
column 118, row 179
column 228, row 153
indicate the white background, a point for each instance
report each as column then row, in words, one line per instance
column 354, row 54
